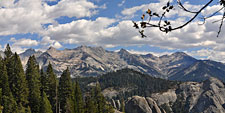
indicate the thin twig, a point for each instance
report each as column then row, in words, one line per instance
column 221, row 24
column 185, row 9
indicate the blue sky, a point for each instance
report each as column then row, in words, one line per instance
column 62, row 24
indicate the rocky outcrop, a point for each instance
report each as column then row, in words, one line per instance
column 152, row 104
column 189, row 97
column 212, row 98
column 165, row 97
column 137, row 104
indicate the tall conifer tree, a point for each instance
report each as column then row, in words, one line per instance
column 45, row 104
column 7, row 101
column 8, row 53
column 90, row 105
column 17, row 81
column 44, row 81
column 52, row 87
column 65, row 90
column 33, row 80
column 100, row 101
column 79, row 104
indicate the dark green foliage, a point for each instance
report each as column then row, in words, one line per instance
column 90, row 105
column 28, row 110
column 100, row 101
column 140, row 84
column 44, row 81
column 7, row 100
column 69, row 106
column 84, row 81
column 8, row 53
column 9, row 104
column 45, row 104
column 4, row 79
column 135, row 82
column 98, row 98
column 52, row 87
column 22, row 109
column 79, row 104
column 17, row 81
column 33, row 80
column 65, row 89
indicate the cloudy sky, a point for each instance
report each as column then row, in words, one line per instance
column 62, row 24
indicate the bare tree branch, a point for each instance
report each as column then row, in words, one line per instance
column 167, row 27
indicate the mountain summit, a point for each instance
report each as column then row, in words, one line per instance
column 93, row 61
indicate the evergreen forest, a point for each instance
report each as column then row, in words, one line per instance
column 37, row 91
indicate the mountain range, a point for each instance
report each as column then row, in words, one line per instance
column 94, row 61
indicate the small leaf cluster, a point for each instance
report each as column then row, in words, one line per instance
column 146, row 22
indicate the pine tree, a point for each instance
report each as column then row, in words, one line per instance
column 45, row 104
column 17, row 81
column 65, row 89
column 8, row 61
column 99, row 98
column 79, row 104
column 7, row 101
column 22, row 109
column 90, row 106
column 9, row 104
column 44, row 81
column 100, row 101
column 4, row 78
column 8, row 53
column 69, row 106
column 52, row 87
column 33, row 80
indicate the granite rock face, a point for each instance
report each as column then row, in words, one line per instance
column 189, row 97
column 137, row 104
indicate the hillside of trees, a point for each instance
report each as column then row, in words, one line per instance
column 138, row 83
column 38, row 91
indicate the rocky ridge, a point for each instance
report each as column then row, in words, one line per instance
column 189, row 97
column 94, row 61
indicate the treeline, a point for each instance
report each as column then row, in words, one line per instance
column 36, row 91
column 129, row 82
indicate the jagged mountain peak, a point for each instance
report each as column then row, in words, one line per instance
column 149, row 55
column 123, row 51
column 53, row 52
column 182, row 54
column 89, row 48
column 82, row 47
column 29, row 52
